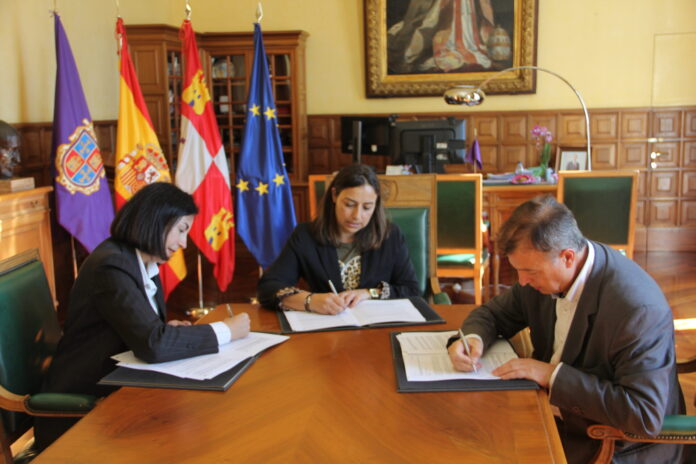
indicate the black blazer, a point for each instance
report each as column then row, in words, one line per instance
column 305, row 258
column 109, row 313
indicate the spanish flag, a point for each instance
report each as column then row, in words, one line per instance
column 202, row 169
column 139, row 158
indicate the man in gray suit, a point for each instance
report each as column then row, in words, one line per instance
column 601, row 328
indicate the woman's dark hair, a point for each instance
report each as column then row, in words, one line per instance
column 325, row 227
column 146, row 219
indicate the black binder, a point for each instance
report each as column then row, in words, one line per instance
column 125, row 377
column 404, row 386
column 430, row 315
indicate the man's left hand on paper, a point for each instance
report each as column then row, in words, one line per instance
column 525, row 368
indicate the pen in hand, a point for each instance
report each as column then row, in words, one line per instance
column 333, row 288
column 466, row 348
column 229, row 310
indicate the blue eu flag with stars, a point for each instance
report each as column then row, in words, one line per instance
column 264, row 207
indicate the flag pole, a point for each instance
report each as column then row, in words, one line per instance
column 74, row 257
column 475, row 138
column 200, row 310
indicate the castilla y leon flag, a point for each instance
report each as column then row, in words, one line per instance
column 139, row 158
column 265, row 211
column 83, row 201
column 202, row 169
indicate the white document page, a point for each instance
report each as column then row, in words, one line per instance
column 426, row 359
column 365, row 313
column 207, row 366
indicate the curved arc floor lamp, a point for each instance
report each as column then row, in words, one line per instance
column 473, row 96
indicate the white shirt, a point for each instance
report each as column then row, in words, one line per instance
column 148, row 272
column 565, row 311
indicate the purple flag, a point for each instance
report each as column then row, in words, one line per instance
column 474, row 154
column 83, row 201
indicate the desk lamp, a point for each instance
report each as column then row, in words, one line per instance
column 473, row 96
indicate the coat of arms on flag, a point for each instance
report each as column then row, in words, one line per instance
column 79, row 163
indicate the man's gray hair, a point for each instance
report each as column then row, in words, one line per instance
column 546, row 223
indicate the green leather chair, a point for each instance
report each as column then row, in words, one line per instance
column 460, row 250
column 29, row 334
column 604, row 205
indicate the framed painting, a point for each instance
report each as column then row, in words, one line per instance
column 423, row 47
column 571, row 159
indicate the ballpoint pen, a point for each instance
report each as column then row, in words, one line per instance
column 333, row 288
column 466, row 348
column 229, row 310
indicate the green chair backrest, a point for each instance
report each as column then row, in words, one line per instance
column 601, row 206
column 456, row 227
column 29, row 328
column 415, row 223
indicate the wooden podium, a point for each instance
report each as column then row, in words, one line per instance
column 25, row 223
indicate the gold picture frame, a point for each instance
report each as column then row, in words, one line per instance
column 392, row 71
column 571, row 159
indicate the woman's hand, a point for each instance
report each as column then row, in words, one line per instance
column 353, row 297
column 327, row 303
column 239, row 325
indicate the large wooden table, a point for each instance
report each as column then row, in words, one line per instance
column 326, row 397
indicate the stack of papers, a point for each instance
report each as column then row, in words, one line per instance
column 426, row 359
column 207, row 366
column 365, row 313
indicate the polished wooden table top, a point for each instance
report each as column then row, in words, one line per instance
column 319, row 397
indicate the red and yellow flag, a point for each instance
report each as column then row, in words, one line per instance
column 202, row 169
column 139, row 158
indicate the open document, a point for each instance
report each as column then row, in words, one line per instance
column 207, row 366
column 365, row 313
column 426, row 359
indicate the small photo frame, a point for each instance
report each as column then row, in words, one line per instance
column 571, row 159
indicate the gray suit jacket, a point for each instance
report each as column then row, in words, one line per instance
column 618, row 361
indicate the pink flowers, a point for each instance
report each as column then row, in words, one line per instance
column 524, row 179
column 541, row 133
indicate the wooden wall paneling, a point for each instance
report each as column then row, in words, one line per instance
column 688, row 154
column 510, row 155
column 489, row 158
column 323, row 130
column 643, row 182
column 486, row 128
column 150, row 63
column 632, row 155
column 157, row 107
column 688, row 184
column 604, row 126
column 604, row 156
column 663, row 213
column 640, row 212
column 667, row 154
column 514, row 129
column 320, row 160
column 690, row 123
column 664, row 183
column 688, row 213
column 666, row 124
column 572, row 129
column 299, row 200
column 634, row 124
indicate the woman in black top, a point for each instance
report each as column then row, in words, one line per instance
column 350, row 246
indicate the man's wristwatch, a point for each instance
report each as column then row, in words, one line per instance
column 374, row 293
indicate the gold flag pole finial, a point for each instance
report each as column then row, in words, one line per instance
column 119, row 37
column 118, row 9
column 259, row 13
column 188, row 10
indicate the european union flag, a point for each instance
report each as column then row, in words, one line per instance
column 264, row 207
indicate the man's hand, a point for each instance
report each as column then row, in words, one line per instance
column 460, row 360
column 525, row 368
column 177, row 323
column 353, row 297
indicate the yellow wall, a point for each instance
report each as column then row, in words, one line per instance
column 618, row 53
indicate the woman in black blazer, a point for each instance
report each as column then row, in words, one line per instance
column 117, row 303
column 350, row 253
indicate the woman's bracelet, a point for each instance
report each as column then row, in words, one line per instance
column 307, row 302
